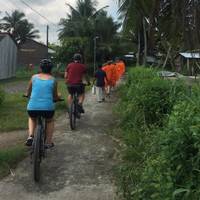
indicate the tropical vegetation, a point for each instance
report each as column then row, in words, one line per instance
column 83, row 26
column 159, row 127
column 18, row 26
column 164, row 27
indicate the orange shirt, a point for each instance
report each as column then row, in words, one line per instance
column 120, row 68
column 110, row 73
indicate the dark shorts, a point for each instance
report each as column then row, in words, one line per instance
column 79, row 88
column 47, row 114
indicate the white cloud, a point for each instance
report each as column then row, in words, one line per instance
column 53, row 10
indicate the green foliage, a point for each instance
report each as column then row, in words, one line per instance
column 9, row 158
column 148, row 99
column 69, row 46
column 2, row 95
column 147, row 110
column 174, row 172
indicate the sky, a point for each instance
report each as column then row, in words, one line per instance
column 53, row 10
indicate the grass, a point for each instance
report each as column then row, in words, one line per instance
column 10, row 157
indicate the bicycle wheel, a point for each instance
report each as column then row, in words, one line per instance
column 36, row 154
column 72, row 115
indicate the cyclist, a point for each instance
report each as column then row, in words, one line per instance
column 42, row 90
column 74, row 74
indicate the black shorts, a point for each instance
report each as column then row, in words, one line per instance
column 47, row 114
column 79, row 89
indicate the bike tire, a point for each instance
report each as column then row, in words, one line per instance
column 72, row 116
column 36, row 154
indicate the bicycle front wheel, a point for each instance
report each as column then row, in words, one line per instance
column 36, row 154
column 72, row 116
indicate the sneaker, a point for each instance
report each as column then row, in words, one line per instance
column 49, row 146
column 29, row 141
column 80, row 108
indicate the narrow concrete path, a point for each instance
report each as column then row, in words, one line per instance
column 80, row 167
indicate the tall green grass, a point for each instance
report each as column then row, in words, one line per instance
column 147, row 101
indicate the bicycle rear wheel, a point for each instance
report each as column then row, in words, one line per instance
column 72, row 116
column 36, row 154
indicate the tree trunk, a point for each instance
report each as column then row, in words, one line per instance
column 138, row 51
column 145, row 43
column 167, row 57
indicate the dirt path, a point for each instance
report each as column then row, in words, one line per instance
column 80, row 167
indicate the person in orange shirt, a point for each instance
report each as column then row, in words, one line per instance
column 107, row 68
column 120, row 67
column 111, row 73
column 114, row 75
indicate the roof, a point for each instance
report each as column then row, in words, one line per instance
column 51, row 51
column 39, row 43
column 191, row 55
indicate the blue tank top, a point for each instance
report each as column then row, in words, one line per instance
column 41, row 94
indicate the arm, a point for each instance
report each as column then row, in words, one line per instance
column 66, row 74
column 87, row 78
column 56, row 96
column 94, row 79
column 29, row 89
column 105, row 76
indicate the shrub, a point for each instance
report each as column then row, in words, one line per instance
column 2, row 95
column 145, row 106
column 173, row 173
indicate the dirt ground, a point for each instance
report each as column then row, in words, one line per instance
column 79, row 167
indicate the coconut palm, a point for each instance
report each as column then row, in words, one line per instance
column 19, row 27
column 83, row 21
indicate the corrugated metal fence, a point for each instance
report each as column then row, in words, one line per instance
column 8, row 58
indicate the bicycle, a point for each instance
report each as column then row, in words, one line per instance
column 38, row 150
column 73, row 110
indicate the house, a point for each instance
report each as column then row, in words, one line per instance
column 31, row 52
column 8, row 56
column 192, row 62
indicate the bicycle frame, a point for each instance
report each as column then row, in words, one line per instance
column 38, row 147
column 73, row 112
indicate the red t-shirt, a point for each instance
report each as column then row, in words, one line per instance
column 75, row 72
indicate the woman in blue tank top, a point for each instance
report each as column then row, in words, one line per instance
column 42, row 90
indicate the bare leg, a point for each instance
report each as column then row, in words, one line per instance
column 49, row 130
column 32, row 122
column 81, row 99
column 69, row 99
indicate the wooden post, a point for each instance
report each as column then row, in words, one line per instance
column 188, row 65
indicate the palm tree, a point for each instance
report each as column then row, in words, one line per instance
column 84, row 21
column 26, row 31
column 19, row 27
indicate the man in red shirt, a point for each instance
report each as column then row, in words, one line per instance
column 74, row 74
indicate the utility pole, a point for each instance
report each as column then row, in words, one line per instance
column 47, row 41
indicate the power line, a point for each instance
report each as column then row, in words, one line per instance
column 26, row 4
